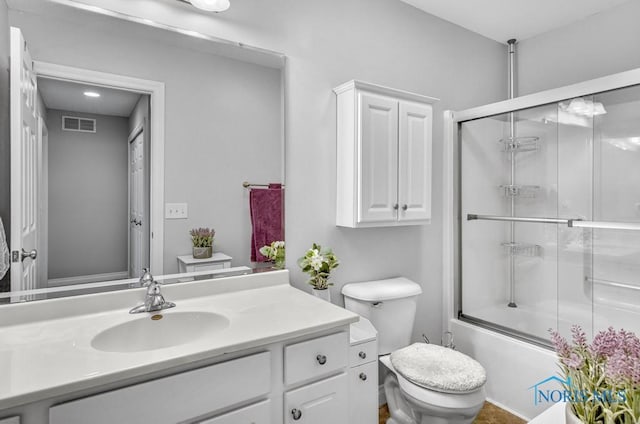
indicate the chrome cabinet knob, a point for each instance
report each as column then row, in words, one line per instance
column 362, row 355
column 321, row 359
column 395, row 207
column 296, row 414
column 405, row 207
column 363, row 376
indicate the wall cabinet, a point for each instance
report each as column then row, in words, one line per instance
column 384, row 139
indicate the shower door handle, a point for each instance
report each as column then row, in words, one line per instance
column 634, row 226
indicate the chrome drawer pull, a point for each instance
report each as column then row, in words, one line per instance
column 321, row 359
column 363, row 376
column 362, row 355
column 296, row 413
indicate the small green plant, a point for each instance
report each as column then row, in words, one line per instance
column 202, row 237
column 318, row 263
column 275, row 253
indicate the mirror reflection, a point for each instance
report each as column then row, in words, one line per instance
column 141, row 135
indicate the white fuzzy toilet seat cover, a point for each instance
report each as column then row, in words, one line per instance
column 439, row 368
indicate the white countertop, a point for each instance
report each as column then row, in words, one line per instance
column 50, row 354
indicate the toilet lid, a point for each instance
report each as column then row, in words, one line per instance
column 439, row 368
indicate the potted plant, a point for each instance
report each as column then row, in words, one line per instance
column 318, row 263
column 602, row 379
column 202, row 241
column 275, row 253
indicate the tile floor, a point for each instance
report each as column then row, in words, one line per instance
column 490, row 414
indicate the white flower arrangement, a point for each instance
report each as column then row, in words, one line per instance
column 275, row 253
column 318, row 263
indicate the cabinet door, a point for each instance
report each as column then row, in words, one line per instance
column 260, row 413
column 363, row 394
column 12, row 420
column 318, row 403
column 378, row 159
column 414, row 169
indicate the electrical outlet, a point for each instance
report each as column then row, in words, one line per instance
column 175, row 211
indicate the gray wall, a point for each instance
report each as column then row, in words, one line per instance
column 222, row 126
column 602, row 44
column 5, row 156
column 327, row 43
column 88, row 196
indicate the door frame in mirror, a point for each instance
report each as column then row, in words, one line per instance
column 156, row 91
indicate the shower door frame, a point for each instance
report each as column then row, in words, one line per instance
column 452, row 219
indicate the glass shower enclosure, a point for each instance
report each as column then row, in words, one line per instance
column 548, row 211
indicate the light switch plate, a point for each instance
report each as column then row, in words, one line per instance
column 175, row 211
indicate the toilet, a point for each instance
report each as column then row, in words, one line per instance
column 427, row 384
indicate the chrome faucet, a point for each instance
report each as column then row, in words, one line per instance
column 154, row 301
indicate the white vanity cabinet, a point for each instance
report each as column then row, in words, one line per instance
column 363, row 373
column 316, row 368
column 384, row 139
column 10, row 420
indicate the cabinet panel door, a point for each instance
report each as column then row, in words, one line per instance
column 323, row 402
column 315, row 358
column 363, row 394
column 173, row 399
column 414, row 169
column 260, row 413
column 12, row 420
column 378, row 161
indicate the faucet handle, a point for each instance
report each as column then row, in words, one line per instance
column 146, row 277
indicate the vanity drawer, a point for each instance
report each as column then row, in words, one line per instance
column 173, row 399
column 260, row 413
column 315, row 358
column 362, row 353
column 11, row 420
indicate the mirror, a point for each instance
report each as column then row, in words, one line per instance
column 209, row 112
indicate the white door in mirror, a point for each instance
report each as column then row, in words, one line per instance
column 26, row 151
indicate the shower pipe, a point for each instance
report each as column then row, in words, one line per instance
column 512, row 136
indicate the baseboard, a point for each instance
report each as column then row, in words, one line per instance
column 509, row 410
column 83, row 279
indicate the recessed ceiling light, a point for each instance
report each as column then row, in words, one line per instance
column 91, row 94
column 211, row 5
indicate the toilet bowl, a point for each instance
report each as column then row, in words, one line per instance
column 426, row 384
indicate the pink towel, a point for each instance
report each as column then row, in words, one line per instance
column 267, row 218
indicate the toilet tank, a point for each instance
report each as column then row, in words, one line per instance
column 389, row 304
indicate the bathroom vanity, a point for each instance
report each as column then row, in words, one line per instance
column 243, row 349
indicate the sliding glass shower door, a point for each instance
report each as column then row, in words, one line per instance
column 550, row 208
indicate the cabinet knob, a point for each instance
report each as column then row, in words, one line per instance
column 363, row 376
column 296, row 414
column 321, row 359
column 362, row 355
column 404, row 207
column 395, row 207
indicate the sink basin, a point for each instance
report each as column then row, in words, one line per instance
column 157, row 331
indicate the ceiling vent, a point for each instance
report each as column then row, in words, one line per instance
column 74, row 123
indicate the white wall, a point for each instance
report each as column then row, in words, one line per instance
column 602, row 44
column 88, row 196
column 327, row 43
column 5, row 156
